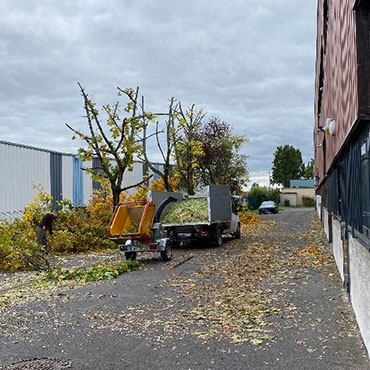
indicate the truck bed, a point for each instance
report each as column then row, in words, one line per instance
column 218, row 199
column 206, row 223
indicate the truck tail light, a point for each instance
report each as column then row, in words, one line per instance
column 203, row 233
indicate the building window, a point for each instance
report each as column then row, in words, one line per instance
column 361, row 4
column 350, row 188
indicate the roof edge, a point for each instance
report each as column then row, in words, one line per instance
column 35, row 148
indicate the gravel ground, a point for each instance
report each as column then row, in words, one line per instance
column 183, row 318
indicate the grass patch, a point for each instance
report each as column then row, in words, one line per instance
column 94, row 273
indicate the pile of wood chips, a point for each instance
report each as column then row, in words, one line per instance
column 187, row 211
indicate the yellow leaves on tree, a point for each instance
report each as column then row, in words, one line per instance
column 158, row 185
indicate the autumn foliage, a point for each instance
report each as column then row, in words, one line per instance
column 75, row 230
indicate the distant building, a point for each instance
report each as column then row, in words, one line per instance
column 297, row 191
column 301, row 184
column 342, row 143
column 61, row 174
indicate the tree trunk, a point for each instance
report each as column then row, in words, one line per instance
column 191, row 178
column 191, row 184
column 166, row 184
column 116, row 193
column 166, row 181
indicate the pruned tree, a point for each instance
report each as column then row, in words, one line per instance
column 187, row 147
column 220, row 161
column 115, row 142
column 287, row 165
column 166, row 150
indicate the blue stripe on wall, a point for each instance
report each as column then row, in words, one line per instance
column 78, row 184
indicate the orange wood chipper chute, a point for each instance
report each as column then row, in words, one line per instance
column 132, row 220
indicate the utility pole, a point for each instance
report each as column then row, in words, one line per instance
column 269, row 180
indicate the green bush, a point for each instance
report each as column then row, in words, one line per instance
column 94, row 273
column 286, row 202
column 258, row 194
column 75, row 230
column 308, row 201
column 17, row 246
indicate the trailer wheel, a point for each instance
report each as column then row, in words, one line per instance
column 217, row 238
column 130, row 256
column 166, row 255
column 237, row 232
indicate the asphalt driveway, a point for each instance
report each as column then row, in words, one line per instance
column 271, row 300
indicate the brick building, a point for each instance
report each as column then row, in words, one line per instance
column 342, row 143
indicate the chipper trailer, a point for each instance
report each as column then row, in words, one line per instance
column 135, row 227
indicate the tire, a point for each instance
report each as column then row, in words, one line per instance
column 217, row 238
column 237, row 232
column 166, row 255
column 260, row 212
column 130, row 256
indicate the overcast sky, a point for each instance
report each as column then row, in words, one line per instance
column 249, row 62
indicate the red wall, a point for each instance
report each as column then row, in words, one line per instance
column 337, row 75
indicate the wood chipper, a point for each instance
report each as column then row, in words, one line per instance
column 135, row 227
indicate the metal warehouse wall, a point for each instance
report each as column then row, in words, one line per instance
column 61, row 174
column 23, row 166
column 20, row 168
column 133, row 177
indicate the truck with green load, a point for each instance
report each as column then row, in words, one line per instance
column 205, row 217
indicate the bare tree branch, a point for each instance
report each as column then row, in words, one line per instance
column 97, row 121
column 138, row 184
column 151, row 135
column 94, row 142
column 158, row 142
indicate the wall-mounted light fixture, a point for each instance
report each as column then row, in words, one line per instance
column 329, row 128
column 332, row 127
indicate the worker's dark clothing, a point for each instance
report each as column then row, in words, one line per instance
column 41, row 238
column 45, row 224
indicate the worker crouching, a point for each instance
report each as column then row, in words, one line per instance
column 46, row 224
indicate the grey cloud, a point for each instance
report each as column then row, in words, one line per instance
column 249, row 62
